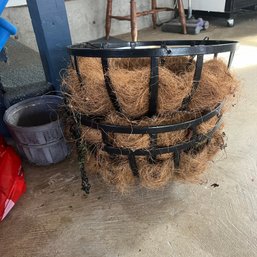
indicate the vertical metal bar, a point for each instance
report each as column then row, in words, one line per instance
column 231, row 57
column 108, row 85
column 77, row 68
column 133, row 164
column 153, row 87
column 196, row 80
column 215, row 55
column 50, row 24
column 198, row 70
column 177, row 159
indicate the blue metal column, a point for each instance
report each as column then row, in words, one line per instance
column 50, row 24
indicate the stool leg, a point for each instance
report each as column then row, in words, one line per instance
column 133, row 15
column 154, row 15
column 181, row 12
column 108, row 19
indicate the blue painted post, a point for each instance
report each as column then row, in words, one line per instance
column 50, row 24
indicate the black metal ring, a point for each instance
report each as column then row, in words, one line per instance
column 152, row 48
column 93, row 123
column 162, row 150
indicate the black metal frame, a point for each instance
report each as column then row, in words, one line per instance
column 236, row 5
column 153, row 50
column 140, row 48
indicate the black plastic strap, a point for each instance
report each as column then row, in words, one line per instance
column 133, row 164
column 153, row 87
column 108, row 85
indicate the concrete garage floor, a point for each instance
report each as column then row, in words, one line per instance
column 54, row 218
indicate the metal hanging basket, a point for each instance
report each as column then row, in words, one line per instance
column 154, row 50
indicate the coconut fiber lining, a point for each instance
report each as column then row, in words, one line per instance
column 130, row 77
column 153, row 175
column 130, row 81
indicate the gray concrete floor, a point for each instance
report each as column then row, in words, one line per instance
column 54, row 218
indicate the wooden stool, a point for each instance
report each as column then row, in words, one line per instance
column 134, row 14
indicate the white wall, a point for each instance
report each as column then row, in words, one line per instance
column 203, row 5
column 86, row 19
column 16, row 3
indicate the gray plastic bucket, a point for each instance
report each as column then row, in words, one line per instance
column 35, row 126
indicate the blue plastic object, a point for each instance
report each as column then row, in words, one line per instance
column 2, row 5
column 6, row 30
column 51, row 27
